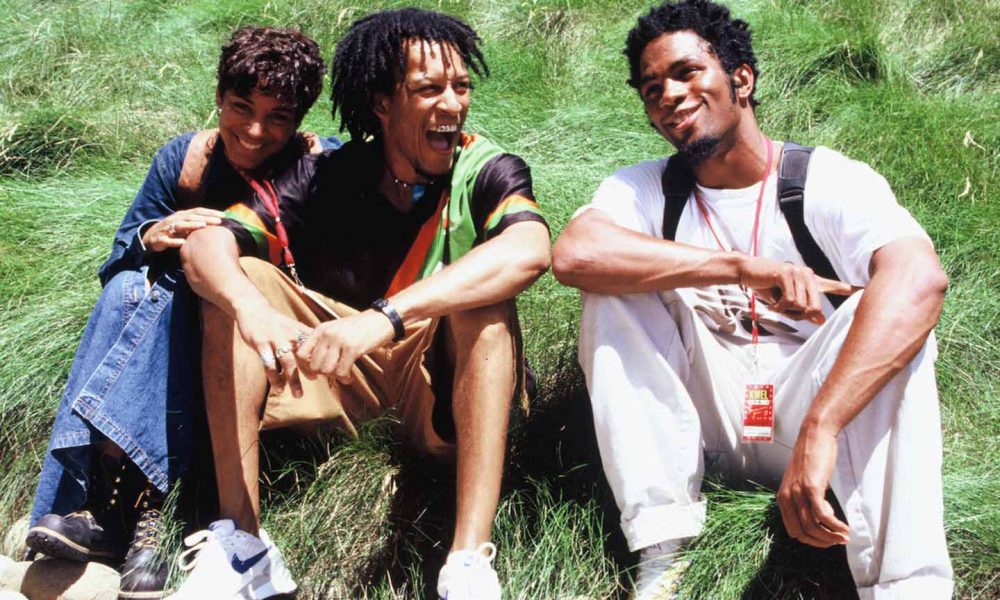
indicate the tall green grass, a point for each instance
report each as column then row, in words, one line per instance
column 89, row 91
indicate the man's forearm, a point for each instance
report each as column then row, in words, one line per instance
column 899, row 308
column 489, row 273
column 596, row 255
column 212, row 264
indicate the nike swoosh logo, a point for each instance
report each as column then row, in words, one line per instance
column 242, row 566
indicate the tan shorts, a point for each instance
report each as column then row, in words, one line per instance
column 392, row 380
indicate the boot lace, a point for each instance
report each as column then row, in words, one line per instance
column 87, row 516
column 149, row 524
column 148, row 529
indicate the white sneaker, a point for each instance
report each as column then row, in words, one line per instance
column 660, row 572
column 468, row 575
column 281, row 580
column 228, row 563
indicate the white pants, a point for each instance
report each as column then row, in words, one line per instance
column 667, row 396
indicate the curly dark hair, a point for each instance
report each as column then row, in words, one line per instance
column 280, row 62
column 371, row 60
column 728, row 38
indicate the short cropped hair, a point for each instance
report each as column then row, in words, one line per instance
column 728, row 38
column 371, row 60
column 281, row 62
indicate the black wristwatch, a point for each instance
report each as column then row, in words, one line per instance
column 382, row 305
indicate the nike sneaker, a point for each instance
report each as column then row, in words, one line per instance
column 280, row 582
column 660, row 572
column 469, row 575
column 227, row 563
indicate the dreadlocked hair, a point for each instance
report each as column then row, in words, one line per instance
column 283, row 63
column 371, row 60
column 728, row 38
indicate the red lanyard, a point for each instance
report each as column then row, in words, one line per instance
column 754, row 238
column 270, row 199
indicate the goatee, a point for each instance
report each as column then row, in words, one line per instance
column 699, row 150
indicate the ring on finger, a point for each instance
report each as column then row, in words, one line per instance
column 268, row 359
column 301, row 337
column 282, row 351
column 171, row 229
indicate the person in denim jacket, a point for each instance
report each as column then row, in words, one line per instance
column 123, row 430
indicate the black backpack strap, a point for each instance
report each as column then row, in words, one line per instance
column 791, row 195
column 677, row 182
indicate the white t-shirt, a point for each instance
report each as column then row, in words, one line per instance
column 849, row 209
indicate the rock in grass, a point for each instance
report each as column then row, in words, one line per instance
column 9, row 580
column 13, row 541
column 56, row 579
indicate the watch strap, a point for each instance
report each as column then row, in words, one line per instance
column 382, row 305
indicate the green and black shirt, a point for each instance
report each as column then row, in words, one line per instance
column 352, row 244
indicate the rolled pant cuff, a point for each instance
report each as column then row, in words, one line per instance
column 655, row 524
column 925, row 587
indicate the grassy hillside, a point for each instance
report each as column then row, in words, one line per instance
column 88, row 91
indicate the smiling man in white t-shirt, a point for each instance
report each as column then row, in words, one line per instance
column 721, row 346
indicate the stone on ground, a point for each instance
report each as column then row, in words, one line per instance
column 13, row 541
column 57, row 579
column 8, row 581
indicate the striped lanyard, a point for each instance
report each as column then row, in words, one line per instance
column 268, row 196
column 754, row 237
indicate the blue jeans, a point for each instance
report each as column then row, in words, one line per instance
column 136, row 381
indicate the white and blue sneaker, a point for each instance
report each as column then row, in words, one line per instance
column 227, row 563
column 280, row 581
column 660, row 571
column 469, row 575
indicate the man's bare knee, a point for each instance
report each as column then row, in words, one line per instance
column 485, row 325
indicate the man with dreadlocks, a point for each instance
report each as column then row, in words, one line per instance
column 388, row 286
column 124, row 430
column 706, row 338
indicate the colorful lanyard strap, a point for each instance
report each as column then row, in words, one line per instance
column 270, row 199
column 754, row 244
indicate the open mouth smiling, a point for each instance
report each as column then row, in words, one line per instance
column 443, row 138
column 252, row 147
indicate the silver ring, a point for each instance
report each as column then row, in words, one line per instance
column 301, row 337
column 268, row 359
column 282, row 351
column 170, row 229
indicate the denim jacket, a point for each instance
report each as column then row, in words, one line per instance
column 136, row 377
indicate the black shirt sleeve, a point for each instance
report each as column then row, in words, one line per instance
column 503, row 195
column 252, row 223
